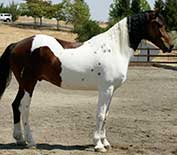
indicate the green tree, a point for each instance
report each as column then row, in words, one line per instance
column 23, row 8
column 80, row 13
column 62, row 11
column 170, row 14
column 159, row 4
column 135, row 7
column 144, row 5
column 119, row 9
column 38, row 9
column 2, row 9
column 14, row 10
column 87, row 30
column 122, row 8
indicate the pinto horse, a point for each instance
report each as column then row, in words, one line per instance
column 100, row 63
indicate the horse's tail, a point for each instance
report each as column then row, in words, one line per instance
column 5, row 71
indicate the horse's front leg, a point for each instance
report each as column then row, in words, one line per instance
column 105, row 95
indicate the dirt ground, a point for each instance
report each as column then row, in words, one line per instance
column 10, row 34
column 142, row 120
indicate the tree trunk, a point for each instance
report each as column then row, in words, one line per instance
column 40, row 21
column 58, row 24
column 35, row 22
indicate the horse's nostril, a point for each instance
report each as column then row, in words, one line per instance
column 171, row 46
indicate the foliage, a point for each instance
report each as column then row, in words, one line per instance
column 62, row 11
column 14, row 10
column 135, row 7
column 80, row 13
column 119, row 9
column 144, row 5
column 122, row 8
column 159, row 4
column 173, row 34
column 170, row 14
column 80, row 18
column 23, row 8
column 2, row 8
column 38, row 9
column 87, row 30
column 11, row 8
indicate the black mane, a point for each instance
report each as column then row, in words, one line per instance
column 137, row 28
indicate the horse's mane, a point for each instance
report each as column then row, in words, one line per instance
column 137, row 28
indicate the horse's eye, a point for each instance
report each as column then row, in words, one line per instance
column 160, row 24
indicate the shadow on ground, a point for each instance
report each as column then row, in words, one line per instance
column 44, row 146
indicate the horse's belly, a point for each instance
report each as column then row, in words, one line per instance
column 78, row 81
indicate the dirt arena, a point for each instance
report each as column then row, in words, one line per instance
column 142, row 120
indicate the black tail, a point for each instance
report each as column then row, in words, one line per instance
column 5, row 71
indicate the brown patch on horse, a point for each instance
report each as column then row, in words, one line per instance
column 45, row 65
column 19, row 56
column 28, row 67
column 68, row 44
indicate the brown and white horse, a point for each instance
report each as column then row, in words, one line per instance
column 100, row 63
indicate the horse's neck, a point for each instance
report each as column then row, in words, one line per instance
column 119, row 39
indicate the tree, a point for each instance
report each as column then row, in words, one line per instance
column 87, row 30
column 62, row 11
column 24, row 10
column 144, row 5
column 159, row 4
column 38, row 8
column 122, row 8
column 80, row 13
column 170, row 14
column 14, row 10
column 119, row 9
column 135, row 7
column 2, row 9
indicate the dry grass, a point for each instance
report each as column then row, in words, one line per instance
column 10, row 34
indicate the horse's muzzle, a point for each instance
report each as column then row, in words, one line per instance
column 168, row 50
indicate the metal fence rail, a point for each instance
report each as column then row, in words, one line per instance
column 153, row 55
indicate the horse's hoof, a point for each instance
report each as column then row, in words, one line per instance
column 21, row 143
column 102, row 150
column 31, row 146
column 108, row 147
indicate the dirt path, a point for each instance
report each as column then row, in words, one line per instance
column 142, row 120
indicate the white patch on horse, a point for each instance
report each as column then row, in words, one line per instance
column 42, row 40
column 17, row 133
column 108, row 54
column 24, row 109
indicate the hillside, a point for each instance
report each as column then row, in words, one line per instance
column 10, row 34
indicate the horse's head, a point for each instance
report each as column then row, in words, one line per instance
column 156, row 31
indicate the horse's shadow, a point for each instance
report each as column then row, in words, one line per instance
column 45, row 146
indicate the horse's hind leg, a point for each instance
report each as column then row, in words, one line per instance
column 25, row 108
column 17, row 134
column 28, row 83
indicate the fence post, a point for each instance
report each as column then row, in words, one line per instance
column 148, row 55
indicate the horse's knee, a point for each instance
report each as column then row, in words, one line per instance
column 101, row 116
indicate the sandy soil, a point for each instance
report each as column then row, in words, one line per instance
column 142, row 120
column 10, row 34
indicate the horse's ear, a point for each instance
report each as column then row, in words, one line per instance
column 154, row 14
column 157, row 11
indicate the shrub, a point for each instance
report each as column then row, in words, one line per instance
column 87, row 30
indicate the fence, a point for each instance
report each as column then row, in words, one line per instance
column 150, row 56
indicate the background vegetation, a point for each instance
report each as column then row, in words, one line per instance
column 77, row 13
